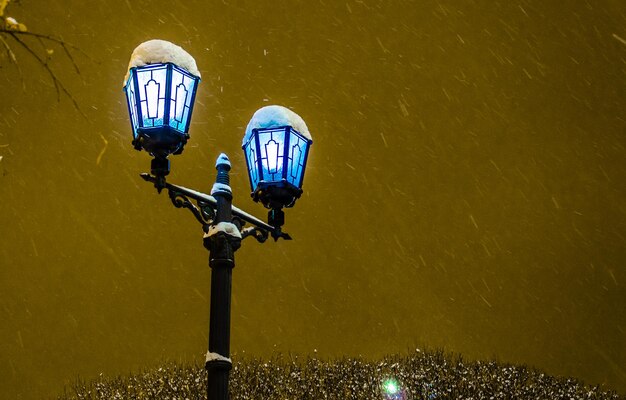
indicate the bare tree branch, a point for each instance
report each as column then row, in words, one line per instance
column 58, row 84
column 12, row 29
column 43, row 63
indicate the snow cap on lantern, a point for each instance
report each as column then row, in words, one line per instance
column 160, row 87
column 276, row 146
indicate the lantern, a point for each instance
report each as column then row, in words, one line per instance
column 160, row 91
column 276, row 147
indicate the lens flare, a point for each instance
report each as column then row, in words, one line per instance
column 392, row 390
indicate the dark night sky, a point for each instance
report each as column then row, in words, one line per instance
column 464, row 190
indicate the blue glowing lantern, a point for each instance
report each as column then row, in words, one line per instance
column 160, row 101
column 276, row 146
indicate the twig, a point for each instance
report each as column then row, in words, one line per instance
column 14, row 61
column 11, row 54
column 47, row 37
column 69, row 55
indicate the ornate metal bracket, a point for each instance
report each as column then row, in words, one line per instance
column 204, row 211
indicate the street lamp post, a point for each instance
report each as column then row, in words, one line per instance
column 160, row 90
column 222, row 241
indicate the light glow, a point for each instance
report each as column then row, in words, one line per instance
column 181, row 97
column 271, row 148
column 392, row 390
column 152, row 94
column 391, row 387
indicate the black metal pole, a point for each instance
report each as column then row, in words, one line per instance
column 221, row 241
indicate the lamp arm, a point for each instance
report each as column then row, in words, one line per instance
column 180, row 196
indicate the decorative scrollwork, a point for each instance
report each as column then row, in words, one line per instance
column 208, row 213
column 203, row 211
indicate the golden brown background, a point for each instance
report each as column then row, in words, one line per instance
column 465, row 188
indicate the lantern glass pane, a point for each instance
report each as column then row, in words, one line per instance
column 152, row 87
column 252, row 162
column 183, row 88
column 132, row 105
column 271, row 147
column 296, row 158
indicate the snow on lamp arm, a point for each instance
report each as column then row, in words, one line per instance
column 276, row 147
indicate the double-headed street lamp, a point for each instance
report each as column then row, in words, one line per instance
column 160, row 89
